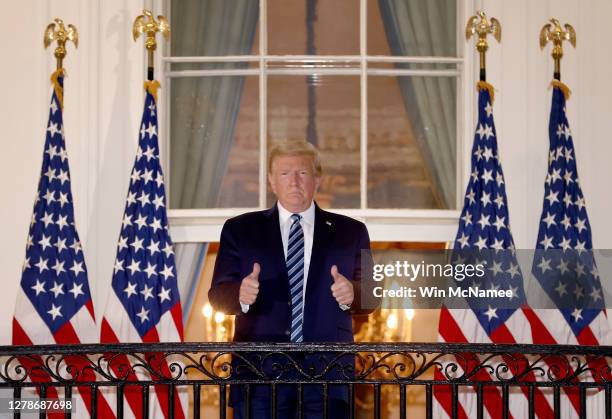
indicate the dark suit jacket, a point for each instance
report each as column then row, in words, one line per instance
column 256, row 237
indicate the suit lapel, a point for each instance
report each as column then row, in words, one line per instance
column 320, row 242
column 272, row 238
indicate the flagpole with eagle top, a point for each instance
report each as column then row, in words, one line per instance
column 57, row 31
column 146, row 24
column 479, row 25
column 553, row 32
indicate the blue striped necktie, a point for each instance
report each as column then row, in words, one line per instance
column 295, row 269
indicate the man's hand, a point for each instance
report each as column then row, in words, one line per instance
column 249, row 288
column 342, row 289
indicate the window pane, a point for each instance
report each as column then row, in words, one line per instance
column 214, row 27
column 412, row 138
column 331, row 121
column 217, row 66
column 433, row 67
column 325, row 27
column 214, row 147
column 314, row 62
column 412, row 27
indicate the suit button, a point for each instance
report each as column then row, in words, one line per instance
column 287, row 332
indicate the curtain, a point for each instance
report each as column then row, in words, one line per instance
column 204, row 112
column 189, row 264
column 428, row 28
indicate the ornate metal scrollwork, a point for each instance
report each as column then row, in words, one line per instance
column 375, row 363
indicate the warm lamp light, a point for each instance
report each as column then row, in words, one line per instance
column 219, row 317
column 207, row 310
column 409, row 313
column 392, row 321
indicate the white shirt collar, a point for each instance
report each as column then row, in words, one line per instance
column 308, row 215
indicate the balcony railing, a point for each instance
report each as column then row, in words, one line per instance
column 487, row 373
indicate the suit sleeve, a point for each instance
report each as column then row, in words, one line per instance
column 363, row 303
column 226, row 280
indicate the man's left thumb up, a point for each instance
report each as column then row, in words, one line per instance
column 335, row 274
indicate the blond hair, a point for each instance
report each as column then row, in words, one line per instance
column 296, row 148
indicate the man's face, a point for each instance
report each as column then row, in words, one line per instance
column 293, row 181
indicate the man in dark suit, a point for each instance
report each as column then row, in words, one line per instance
column 291, row 273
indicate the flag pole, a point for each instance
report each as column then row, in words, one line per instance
column 57, row 31
column 553, row 32
column 146, row 24
column 479, row 25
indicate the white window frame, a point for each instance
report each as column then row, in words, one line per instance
column 414, row 225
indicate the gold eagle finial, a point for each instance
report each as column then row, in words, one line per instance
column 553, row 32
column 57, row 31
column 146, row 24
column 479, row 25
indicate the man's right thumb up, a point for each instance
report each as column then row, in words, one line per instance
column 256, row 270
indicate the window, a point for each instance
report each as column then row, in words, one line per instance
column 378, row 86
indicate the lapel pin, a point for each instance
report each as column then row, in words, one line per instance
column 328, row 223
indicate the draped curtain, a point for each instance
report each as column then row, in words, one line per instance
column 204, row 111
column 428, row 28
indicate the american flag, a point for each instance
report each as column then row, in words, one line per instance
column 54, row 304
column 563, row 265
column 144, row 304
column 485, row 224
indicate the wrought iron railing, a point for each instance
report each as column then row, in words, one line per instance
column 493, row 373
